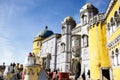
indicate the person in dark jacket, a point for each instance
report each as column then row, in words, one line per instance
column 77, row 68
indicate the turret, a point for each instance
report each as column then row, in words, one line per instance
column 67, row 25
column 87, row 12
column 31, row 69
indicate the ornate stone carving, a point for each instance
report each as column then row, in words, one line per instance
column 76, row 51
column 76, row 45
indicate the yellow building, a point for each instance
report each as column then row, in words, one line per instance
column 113, row 35
column 99, row 59
column 37, row 43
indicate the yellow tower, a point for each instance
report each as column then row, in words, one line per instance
column 99, row 59
column 37, row 43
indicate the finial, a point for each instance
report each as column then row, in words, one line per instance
column 46, row 27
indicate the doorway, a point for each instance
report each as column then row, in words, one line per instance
column 105, row 74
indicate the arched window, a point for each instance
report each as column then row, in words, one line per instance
column 117, row 53
column 84, row 19
column 38, row 43
column 112, row 24
column 108, row 26
column 116, row 14
column 62, row 47
column 116, row 17
column 112, row 56
column 119, row 16
column 85, row 40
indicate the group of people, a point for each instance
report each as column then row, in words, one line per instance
column 12, row 72
column 53, row 75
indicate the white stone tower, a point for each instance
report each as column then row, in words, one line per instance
column 87, row 12
column 67, row 25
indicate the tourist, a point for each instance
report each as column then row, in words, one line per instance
column 77, row 68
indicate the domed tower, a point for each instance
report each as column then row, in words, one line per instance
column 87, row 12
column 67, row 25
column 37, row 42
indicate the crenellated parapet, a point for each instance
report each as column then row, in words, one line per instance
column 95, row 19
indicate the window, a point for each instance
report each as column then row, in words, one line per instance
column 84, row 19
column 112, row 24
column 117, row 53
column 112, row 56
column 108, row 26
column 116, row 17
column 38, row 43
column 62, row 47
column 119, row 16
column 85, row 40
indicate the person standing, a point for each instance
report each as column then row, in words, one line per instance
column 77, row 68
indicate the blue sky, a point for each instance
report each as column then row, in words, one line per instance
column 21, row 20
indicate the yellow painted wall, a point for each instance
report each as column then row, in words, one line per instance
column 94, row 53
column 116, row 70
column 105, row 61
column 31, row 72
column 116, row 73
column 36, row 48
column 98, row 52
column 114, row 35
column 111, row 13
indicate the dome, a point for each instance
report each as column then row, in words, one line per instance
column 45, row 33
column 69, row 20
